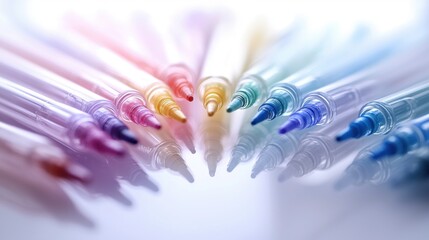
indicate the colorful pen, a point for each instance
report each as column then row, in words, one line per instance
column 67, row 125
column 233, row 42
column 286, row 96
column 130, row 105
column 324, row 105
column 166, row 65
column 57, row 88
column 157, row 93
column 296, row 51
column 382, row 115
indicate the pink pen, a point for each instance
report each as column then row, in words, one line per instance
column 129, row 104
column 150, row 46
column 67, row 125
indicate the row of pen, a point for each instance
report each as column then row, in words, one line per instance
column 314, row 96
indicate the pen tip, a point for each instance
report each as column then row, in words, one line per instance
column 187, row 93
column 288, row 126
column 127, row 136
column 253, row 175
column 344, row 135
column 187, row 175
column 260, row 117
column 235, row 104
column 211, row 108
column 212, row 165
column 153, row 122
column 178, row 115
column 232, row 165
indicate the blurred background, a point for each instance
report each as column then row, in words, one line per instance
column 123, row 203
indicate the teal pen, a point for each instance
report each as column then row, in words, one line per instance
column 382, row 115
column 297, row 51
column 328, row 103
column 364, row 170
column 286, row 96
column 408, row 137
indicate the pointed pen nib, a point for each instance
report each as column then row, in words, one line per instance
column 212, row 165
column 128, row 136
column 211, row 108
column 260, row 117
column 153, row 122
column 187, row 93
column 178, row 115
column 254, row 174
column 288, row 126
column 187, row 175
column 235, row 160
column 234, row 105
column 344, row 135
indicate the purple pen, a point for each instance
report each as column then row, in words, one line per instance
column 67, row 125
column 27, row 74
column 129, row 104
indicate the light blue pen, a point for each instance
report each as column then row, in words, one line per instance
column 408, row 137
column 286, row 96
column 364, row 170
column 294, row 53
column 323, row 106
column 382, row 115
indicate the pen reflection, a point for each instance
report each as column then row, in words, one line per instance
column 29, row 189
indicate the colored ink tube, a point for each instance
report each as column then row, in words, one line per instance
column 408, row 137
column 324, row 105
column 158, row 150
column 69, row 126
column 129, row 104
column 17, row 144
column 60, row 89
column 382, row 115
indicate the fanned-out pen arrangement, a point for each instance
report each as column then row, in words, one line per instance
column 121, row 87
